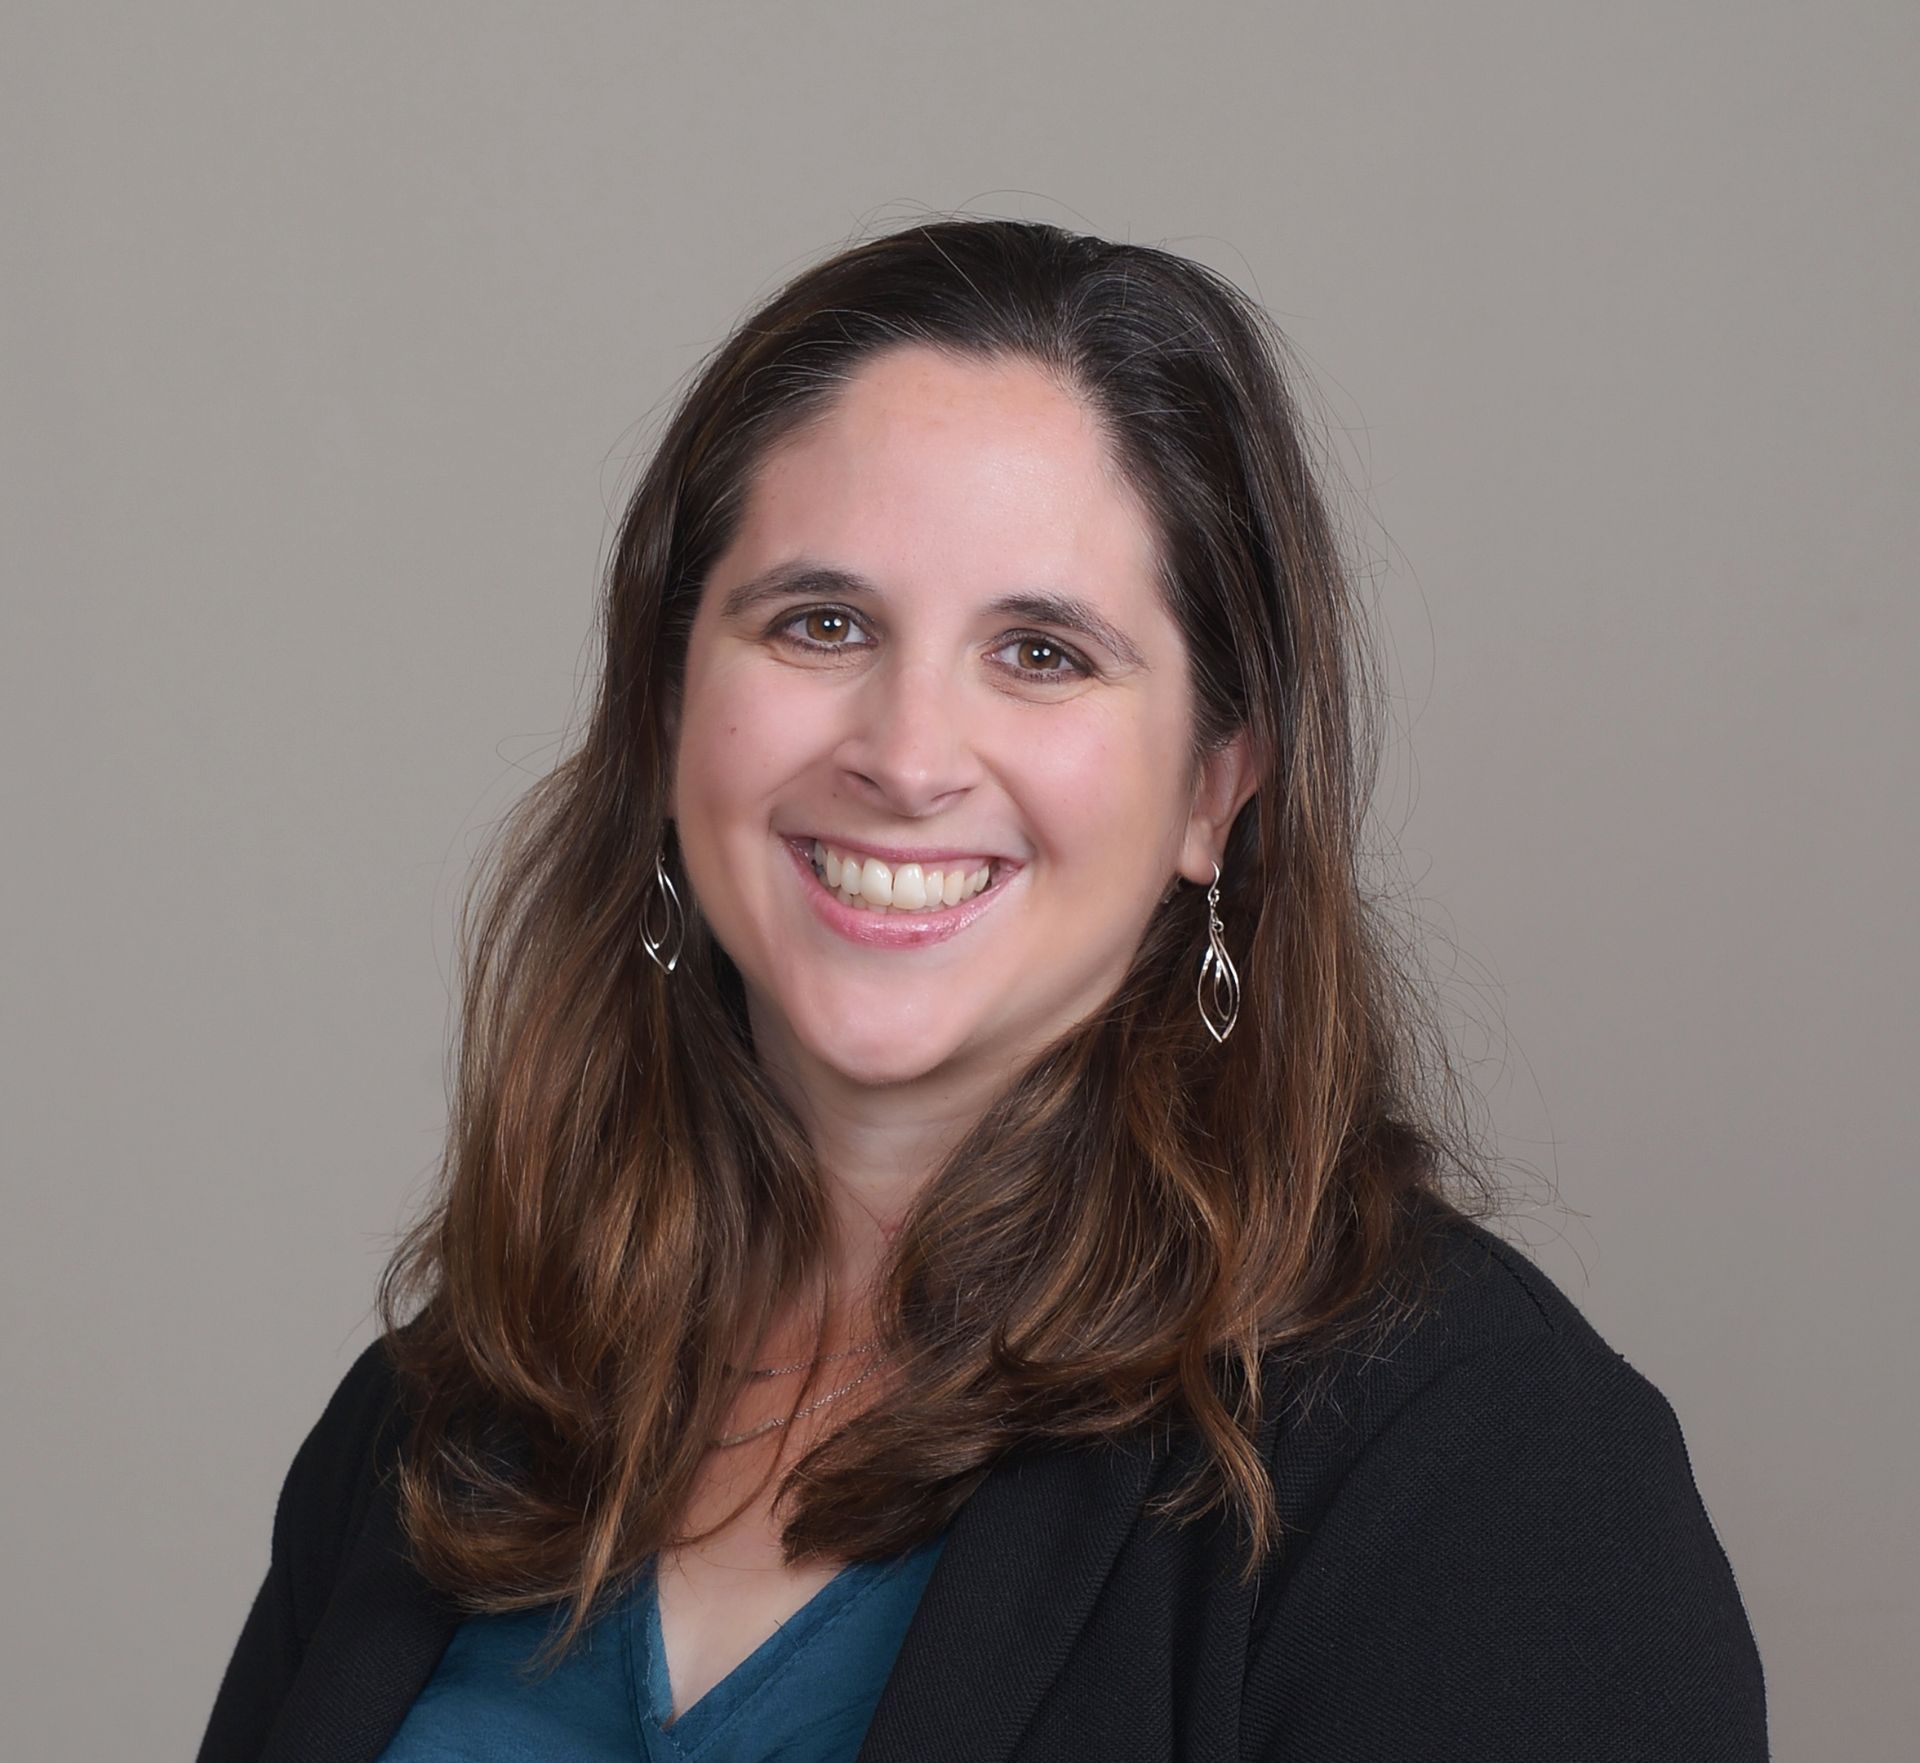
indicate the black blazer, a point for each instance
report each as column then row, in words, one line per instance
column 1495, row 1549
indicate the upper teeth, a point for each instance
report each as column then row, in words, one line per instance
column 906, row 887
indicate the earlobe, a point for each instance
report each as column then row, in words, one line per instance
column 1228, row 778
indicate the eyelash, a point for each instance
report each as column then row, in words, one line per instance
column 1076, row 668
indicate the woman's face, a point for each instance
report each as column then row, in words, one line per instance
column 936, row 647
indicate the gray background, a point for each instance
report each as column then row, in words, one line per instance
column 332, row 336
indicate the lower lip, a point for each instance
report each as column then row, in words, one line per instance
column 888, row 929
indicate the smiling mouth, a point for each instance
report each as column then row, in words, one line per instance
column 908, row 890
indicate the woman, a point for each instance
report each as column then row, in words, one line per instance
column 943, row 1250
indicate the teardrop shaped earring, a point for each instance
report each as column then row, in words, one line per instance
column 672, row 933
column 1218, row 990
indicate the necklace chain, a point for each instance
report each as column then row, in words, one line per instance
column 766, row 1426
column 802, row 1364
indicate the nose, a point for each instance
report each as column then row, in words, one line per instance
column 910, row 750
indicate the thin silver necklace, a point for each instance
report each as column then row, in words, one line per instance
column 766, row 1426
column 802, row 1364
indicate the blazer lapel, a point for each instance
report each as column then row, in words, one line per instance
column 376, row 1645
column 1023, row 1564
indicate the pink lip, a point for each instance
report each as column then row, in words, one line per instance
column 887, row 930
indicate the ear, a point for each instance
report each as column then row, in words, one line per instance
column 1227, row 778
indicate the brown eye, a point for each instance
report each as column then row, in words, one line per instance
column 815, row 629
column 1041, row 658
column 824, row 625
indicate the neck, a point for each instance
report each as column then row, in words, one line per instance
column 878, row 1145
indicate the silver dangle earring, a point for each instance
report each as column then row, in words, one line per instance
column 1218, row 991
column 664, row 946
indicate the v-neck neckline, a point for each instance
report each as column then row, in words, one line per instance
column 716, row 1708
column 1033, row 1544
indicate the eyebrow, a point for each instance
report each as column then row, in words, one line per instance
column 1037, row 606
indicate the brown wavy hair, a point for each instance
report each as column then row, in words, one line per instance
column 1139, row 1219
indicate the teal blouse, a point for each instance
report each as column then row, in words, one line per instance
column 804, row 1695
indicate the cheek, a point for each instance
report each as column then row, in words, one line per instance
column 738, row 738
column 1098, row 791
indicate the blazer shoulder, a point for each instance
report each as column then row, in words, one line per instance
column 1491, row 1534
column 1485, row 1291
column 329, row 1485
column 1457, row 1292
column 325, row 1500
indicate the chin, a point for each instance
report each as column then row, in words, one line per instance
column 881, row 1063
column 871, row 1047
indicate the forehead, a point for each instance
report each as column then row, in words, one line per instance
column 974, row 473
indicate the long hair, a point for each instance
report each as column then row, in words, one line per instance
column 1139, row 1218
